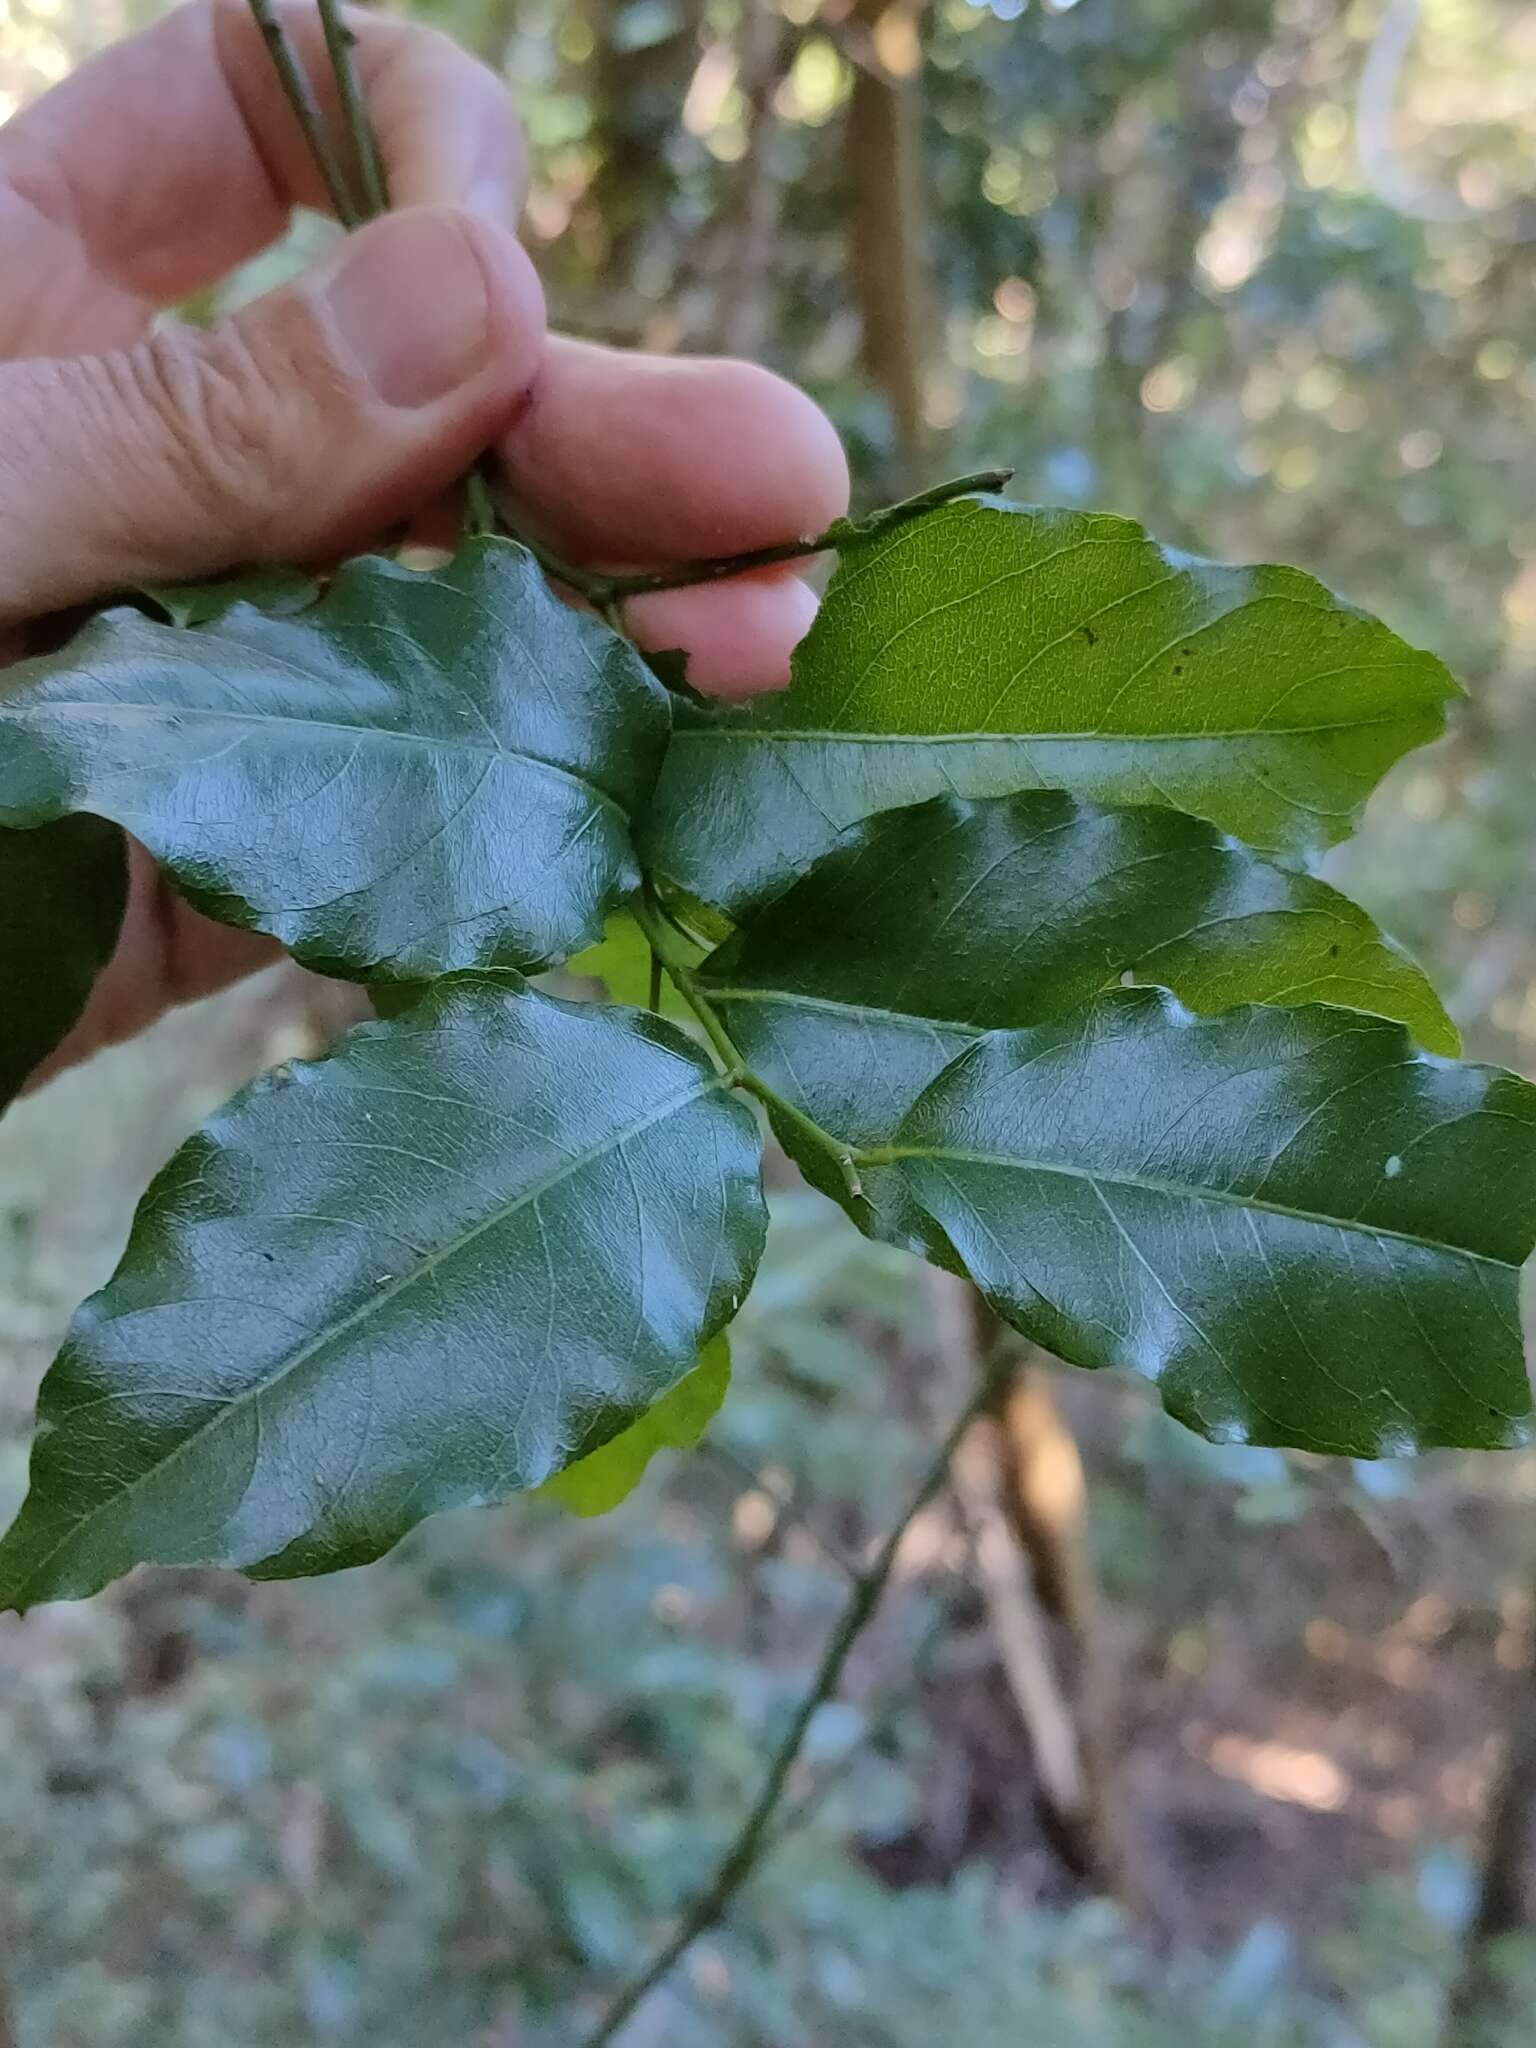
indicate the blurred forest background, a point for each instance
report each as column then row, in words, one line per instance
column 1154, row 1744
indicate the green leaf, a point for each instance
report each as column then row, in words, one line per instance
column 276, row 591
column 598, row 1482
column 422, row 772
column 428, row 1271
column 986, row 648
column 62, row 893
column 1303, row 1231
column 621, row 961
column 926, row 927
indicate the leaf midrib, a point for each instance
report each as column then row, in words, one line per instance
column 392, row 735
column 822, row 735
column 721, row 993
column 380, row 1298
column 892, row 1155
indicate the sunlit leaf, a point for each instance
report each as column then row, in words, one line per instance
column 986, row 648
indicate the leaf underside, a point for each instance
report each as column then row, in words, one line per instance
column 427, row 1271
column 989, row 647
column 420, row 772
column 1302, row 1230
column 597, row 1483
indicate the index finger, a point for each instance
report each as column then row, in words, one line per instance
column 174, row 156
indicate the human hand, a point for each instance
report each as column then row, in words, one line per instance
column 319, row 416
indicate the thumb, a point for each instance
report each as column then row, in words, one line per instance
column 297, row 427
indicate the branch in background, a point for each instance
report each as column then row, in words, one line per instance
column 1485, row 2007
column 751, row 215
column 751, row 1842
column 636, row 93
column 1019, row 1483
column 888, row 254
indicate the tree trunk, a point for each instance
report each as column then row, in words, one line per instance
column 1484, row 2011
column 752, row 211
column 636, row 96
column 888, row 241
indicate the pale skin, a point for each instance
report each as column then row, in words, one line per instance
column 347, row 403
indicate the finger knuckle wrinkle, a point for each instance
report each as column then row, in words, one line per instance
column 218, row 421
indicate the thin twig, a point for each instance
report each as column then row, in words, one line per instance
column 605, row 591
column 306, row 111
column 742, row 1857
column 367, row 162
column 480, row 517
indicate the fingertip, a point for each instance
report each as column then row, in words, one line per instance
column 635, row 458
column 785, row 441
column 739, row 636
column 514, row 301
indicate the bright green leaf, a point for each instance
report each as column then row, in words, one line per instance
column 62, row 891
column 987, row 648
column 598, row 1482
column 1303, row 1231
column 422, row 772
column 428, row 1271
column 621, row 961
column 928, row 926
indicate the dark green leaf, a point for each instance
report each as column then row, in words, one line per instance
column 428, row 1271
column 422, row 772
column 598, row 1482
column 276, row 591
column 62, row 891
column 1301, row 1229
column 987, row 648
column 927, row 926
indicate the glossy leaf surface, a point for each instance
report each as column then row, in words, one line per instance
column 987, row 648
column 930, row 925
column 1301, row 1229
column 428, row 1271
column 421, row 772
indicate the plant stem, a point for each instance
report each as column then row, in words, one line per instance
column 306, row 111
column 479, row 505
column 666, row 946
column 604, row 590
column 742, row 1858
column 367, row 162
